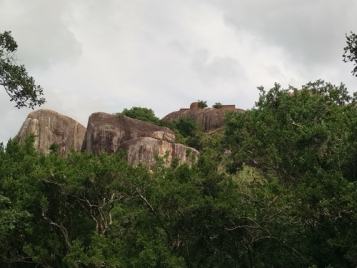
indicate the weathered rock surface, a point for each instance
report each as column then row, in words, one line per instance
column 51, row 127
column 209, row 118
column 105, row 132
column 145, row 150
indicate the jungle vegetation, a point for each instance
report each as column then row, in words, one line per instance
column 277, row 188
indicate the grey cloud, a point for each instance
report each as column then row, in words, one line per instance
column 11, row 118
column 42, row 32
column 312, row 32
column 217, row 69
column 93, row 56
column 273, row 71
column 179, row 47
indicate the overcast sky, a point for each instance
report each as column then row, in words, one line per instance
column 92, row 56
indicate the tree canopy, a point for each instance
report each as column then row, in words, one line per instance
column 306, row 141
column 217, row 105
column 350, row 54
column 276, row 189
column 141, row 113
column 14, row 78
column 202, row 104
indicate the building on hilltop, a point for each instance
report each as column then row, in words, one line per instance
column 194, row 106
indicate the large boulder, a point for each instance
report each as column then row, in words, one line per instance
column 105, row 132
column 209, row 118
column 146, row 150
column 51, row 127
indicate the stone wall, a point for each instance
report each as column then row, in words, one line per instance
column 194, row 106
column 228, row 107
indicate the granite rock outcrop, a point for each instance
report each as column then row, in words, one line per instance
column 105, row 132
column 209, row 118
column 143, row 141
column 50, row 127
column 146, row 150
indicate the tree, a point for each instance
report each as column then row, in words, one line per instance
column 305, row 140
column 350, row 54
column 90, row 210
column 202, row 104
column 140, row 113
column 65, row 212
column 14, row 78
column 186, row 126
column 217, row 105
column 190, row 130
column 290, row 132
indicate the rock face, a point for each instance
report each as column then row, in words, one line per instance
column 106, row 132
column 209, row 118
column 145, row 150
column 51, row 127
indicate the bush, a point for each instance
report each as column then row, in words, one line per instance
column 188, row 132
column 143, row 114
column 202, row 104
column 186, row 126
column 217, row 105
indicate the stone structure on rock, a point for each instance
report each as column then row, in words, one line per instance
column 50, row 127
column 209, row 118
column 145, row 151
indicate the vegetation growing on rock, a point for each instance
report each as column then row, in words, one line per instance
column 202, row 104
column 140, row 113
column 217, row 105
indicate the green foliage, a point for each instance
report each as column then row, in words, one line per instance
column 186, row 126
column 290, row 200
column 14, row 78
column 202, row 104
column 175, row 163
column 140, row 113
column 190, row 133
column 217, row 105
column 291, row 133
column 87, row 210
column 54, row 148
column 305, row 141
column 350, row 54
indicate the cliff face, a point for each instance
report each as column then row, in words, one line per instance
column 105, row 132
column 145, row 150
column 51, row 127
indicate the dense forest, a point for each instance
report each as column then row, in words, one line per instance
column 277, row 187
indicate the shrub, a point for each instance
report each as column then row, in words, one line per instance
column 217, row 105
column 202, row 104
column 143, row 114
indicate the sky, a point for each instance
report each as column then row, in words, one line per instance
column 103, row 56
